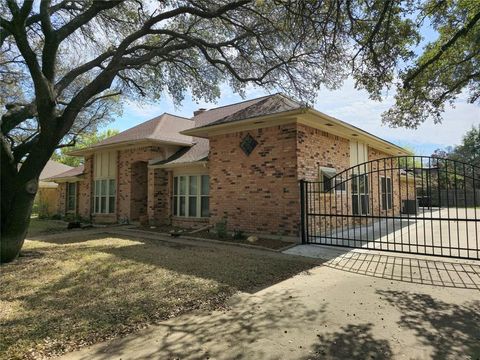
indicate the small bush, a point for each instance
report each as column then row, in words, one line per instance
column 221, row 229
column 238, row 235
column 56, row 217
column 42, row 209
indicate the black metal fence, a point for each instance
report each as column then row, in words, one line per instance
column 412, row 204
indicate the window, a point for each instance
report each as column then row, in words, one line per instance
column 105, row 187
column 248, row 144
column 104, row 199
column 71, row 197
column 327, row 175
column 360, row 195
column 386, row 190
column 191, row 195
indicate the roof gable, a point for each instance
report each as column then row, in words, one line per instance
column 210, row 116
column 268, row 105
column 164, row 128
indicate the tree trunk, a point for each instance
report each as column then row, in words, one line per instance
column 18, row 188
column 16, row 203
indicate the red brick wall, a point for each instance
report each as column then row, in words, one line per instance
column 317, row 148
column 159, row 196
column 124, row 177
column 62, row 198
column 258, row 193
column 85, row 188
column 139, row 190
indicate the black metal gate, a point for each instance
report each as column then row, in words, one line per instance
column 412, row 204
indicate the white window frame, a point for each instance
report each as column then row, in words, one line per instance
column 388, row 194
column 176, row 196
column 98, row 195
column 366, row 194
column 330, row 173
column 68, row 194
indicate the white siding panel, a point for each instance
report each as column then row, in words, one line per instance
column 105, row 165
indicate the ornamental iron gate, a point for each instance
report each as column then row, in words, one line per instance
column 411, row 204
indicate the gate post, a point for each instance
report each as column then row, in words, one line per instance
column 303, row 212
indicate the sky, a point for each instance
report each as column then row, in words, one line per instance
column 345, row 103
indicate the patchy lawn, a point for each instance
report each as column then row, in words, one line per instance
column 42, row 226
column 64, row 293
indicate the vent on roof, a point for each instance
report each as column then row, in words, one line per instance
column 199, row 111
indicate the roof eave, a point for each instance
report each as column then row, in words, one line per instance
column 146, row 142
column 394, row 149
column 177, row 165
column 67, row 179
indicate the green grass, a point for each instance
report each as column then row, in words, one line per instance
column 42, row 227
column 66, row 293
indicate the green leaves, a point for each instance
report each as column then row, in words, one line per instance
column 448, row 66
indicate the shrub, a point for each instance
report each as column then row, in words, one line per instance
column 42, row 209
column 221, row 229
column 238, row 234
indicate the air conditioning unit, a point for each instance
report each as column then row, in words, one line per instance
column 409, row 207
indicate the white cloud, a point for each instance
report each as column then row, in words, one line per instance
column 355, row 107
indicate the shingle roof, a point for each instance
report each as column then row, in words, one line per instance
column 165, row 127
column 198, row 152
column 53, row 168
column 215, row 114
column 265, row 105
column 76, row 171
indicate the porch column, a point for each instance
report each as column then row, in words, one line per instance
column 158, row 196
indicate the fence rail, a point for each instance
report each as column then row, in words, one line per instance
column 412, row 204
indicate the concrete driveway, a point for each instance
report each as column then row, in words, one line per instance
column 445, row 232
column 358, row 305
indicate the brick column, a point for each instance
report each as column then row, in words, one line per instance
column 159, row 194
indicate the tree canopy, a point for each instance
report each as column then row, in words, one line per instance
column 83, row 140
column 468, row 151
column 64, row 65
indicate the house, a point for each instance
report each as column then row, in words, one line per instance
column 47, row 197
column 239, row 163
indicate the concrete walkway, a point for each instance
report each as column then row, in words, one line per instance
column 359, row 305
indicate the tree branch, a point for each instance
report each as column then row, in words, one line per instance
column 462, row 32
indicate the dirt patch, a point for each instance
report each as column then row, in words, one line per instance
column 274, row 244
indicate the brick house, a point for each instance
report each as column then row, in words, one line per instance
column 241, row 163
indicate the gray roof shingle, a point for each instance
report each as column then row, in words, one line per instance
column 265, row 105
column 76, row 171
column 165, row 127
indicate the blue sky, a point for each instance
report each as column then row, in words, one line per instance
column 346, row 103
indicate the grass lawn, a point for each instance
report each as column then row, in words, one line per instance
column 42, row 227
column 65, row 292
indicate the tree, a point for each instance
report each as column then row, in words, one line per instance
column 468, row 151
column 69, row 62
column 83, row 140
column 447, row 67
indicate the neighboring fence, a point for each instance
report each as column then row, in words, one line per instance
column 450, row 198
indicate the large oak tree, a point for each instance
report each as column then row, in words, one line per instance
column 65, row 64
